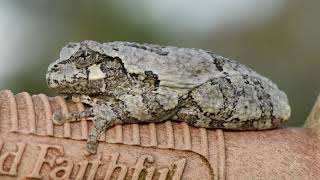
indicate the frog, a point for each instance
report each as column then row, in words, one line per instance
column 125, row 82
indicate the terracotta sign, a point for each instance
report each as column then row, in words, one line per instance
column 31, row 147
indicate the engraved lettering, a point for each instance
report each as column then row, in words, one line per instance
column 84, row 165
column 178, row 168
column 44, row 159
column 140, row 166
column 163, row 173
column 12, row 168
column 51, row 164
column 113, row 166
column 62, row 172
column 150, row 173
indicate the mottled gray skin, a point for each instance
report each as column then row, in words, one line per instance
column 138, row 83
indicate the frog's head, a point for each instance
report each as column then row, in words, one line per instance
column 81, row 70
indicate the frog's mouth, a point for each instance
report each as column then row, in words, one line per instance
column 83, row 86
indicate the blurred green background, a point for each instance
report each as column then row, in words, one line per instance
column 277, row 38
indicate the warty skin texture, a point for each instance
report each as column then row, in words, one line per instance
column 127, row 82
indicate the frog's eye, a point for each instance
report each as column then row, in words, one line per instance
column 86, row 58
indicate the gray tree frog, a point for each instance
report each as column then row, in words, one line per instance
column 125, row 82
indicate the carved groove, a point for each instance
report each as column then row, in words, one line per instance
column 204, row 142
column 186, row 136
column 221, row 154
column 119, row 135
column 12, row 110
column 30, row 112
column 170, row 135
column 83, row 122
column 64, row 110
column 48, row 113
column 153, row 134
column 135, row 134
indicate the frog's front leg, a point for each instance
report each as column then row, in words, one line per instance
column 58, row 118
column 102, row 116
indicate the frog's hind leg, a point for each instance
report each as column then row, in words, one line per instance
column 194, row 116
column 206, row 106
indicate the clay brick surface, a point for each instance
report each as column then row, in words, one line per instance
column 31, row 147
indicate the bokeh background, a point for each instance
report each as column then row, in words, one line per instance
column 278, row 38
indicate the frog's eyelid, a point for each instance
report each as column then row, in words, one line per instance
column 80, row 62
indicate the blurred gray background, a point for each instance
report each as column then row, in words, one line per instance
column 277, row 38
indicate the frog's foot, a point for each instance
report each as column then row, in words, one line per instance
column 93, row 140
column 100, row 126
column 103, row 117
column 58, row 118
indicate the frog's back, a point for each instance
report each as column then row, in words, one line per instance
column 175, row 67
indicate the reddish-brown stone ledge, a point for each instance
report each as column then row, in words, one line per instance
column 31, row 147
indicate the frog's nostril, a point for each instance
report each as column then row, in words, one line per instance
column 54, row 68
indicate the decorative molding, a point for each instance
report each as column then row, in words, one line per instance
column 221, row 154
column 47, row 111
column 64, row 109
column 115, row 134
column 13, row 110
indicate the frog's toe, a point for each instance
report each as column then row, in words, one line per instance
column 76, row 98
column 57, row 118
column 92, row 147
